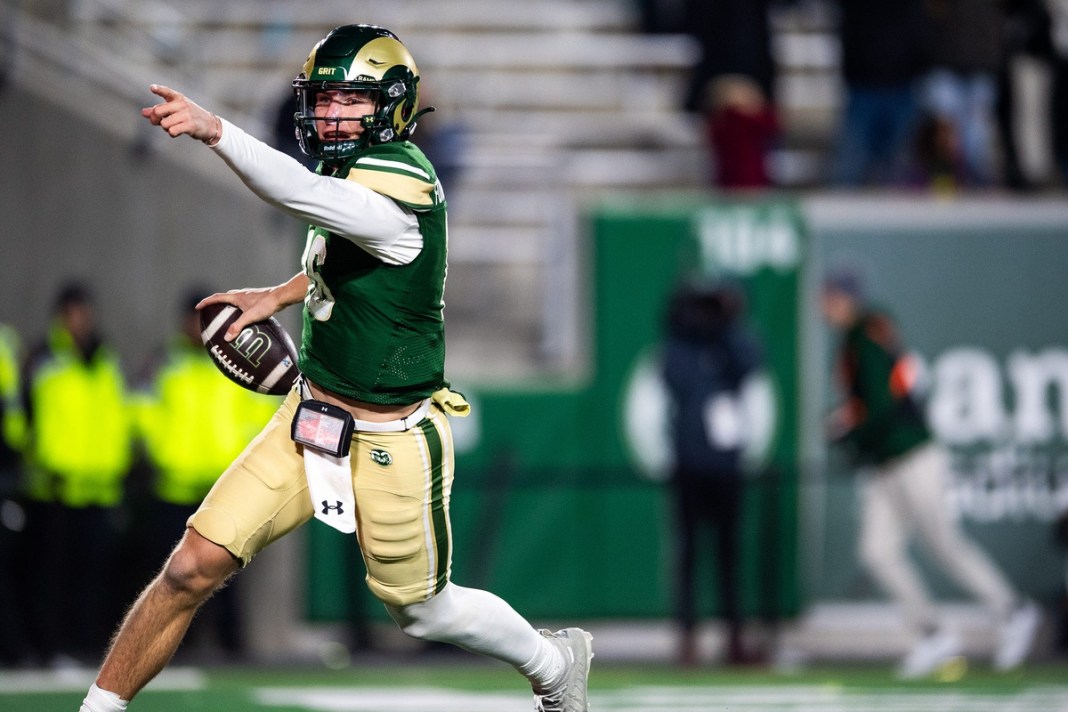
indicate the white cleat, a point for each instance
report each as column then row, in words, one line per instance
column 570, row 696
column 929, row 654
column 1016, row 637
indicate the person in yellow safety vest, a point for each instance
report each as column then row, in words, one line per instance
column 13, row 643
column 12, row 419
column 193, row 422
column 78, row 451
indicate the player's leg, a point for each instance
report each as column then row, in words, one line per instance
column 474, row 620
column 556, row 664
column 924, row 477
column 883, row 549
column 1018, row 618
column 260, row 498
column 157, row 621
column 887, row 515
column 403, row 484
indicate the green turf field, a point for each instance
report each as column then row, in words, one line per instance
column 411, row 685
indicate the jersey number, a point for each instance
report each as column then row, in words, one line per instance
column 318, row 300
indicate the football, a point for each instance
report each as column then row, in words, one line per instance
column 262, row 358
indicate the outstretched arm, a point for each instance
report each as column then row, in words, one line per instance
column 371, row 220
column 258, row 304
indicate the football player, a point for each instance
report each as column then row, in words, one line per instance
column 372, row 351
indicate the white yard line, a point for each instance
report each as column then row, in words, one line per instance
column 668, row 699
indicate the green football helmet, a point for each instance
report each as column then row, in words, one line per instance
column 358, row 58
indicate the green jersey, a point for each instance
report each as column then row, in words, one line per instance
column 877, row 378
column 375, row 331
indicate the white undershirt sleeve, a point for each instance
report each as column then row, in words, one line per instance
column 376, row 223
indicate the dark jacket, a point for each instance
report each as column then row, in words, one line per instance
column 966, row 36
column 707, row 354
column 884, row 42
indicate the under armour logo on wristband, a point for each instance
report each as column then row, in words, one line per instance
column 327, row 507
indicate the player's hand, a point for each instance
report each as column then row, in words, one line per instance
column 255, row 305
column 179, row 115
column 839, row 423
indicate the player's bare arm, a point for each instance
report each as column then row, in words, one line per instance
column 179, row 115
column 256, row 304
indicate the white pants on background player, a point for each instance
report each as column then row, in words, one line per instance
column 909, row 496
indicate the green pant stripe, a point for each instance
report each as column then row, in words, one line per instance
column 437, row 507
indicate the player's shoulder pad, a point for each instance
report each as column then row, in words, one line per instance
column 399, row 171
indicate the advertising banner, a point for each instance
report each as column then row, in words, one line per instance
column 977, row 289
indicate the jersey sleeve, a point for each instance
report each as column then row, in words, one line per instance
column 386, row 229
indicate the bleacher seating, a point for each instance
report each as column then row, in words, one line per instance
column 562, row 100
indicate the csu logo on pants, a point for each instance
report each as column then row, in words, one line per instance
column 382, row 457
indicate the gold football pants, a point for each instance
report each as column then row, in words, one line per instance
column 402, row 482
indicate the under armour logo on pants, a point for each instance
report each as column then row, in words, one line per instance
column 336, row 507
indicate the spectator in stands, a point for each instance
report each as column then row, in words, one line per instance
column 939, row 158
column 742, row 127
column 708, row 356
column 1027, row 33
column 734, row 37
column 1059, row 91
column 662, row 16
column 883, row 57
column 965, row 50
column 79, row 450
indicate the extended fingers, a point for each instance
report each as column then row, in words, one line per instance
column 218, row 298
column 175, row 114
column 158, row 112
column 166, row 115
column 238, row 326
column 232, row 298
column 165, row 92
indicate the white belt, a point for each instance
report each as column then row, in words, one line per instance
column 395, row 426
column 368, row 426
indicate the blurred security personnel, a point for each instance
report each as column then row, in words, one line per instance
column 12, row 419
column 78, row 449
column 12, row 431
column 194, row 422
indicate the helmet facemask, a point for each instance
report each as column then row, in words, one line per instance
column 357, row 58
